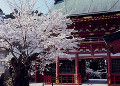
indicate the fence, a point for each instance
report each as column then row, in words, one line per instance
column 115, row 79
column 49, row 79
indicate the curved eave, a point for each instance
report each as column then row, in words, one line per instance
column 93, row 14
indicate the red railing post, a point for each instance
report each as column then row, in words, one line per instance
column 50, row 79
column 72, row 79
column 67, row 80
column 47, row 79
column 61, row 79
column 114, row 80
column 80, row 82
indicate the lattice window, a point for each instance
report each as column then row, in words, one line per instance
column 115, row 65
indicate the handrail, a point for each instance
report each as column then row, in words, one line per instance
column 49, row 79
column 114, row 78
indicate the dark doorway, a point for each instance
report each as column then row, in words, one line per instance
column 96, row 68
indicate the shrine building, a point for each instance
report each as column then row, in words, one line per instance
column 93, row 20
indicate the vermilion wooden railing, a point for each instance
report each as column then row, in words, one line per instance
column 49, row 79
column 114, row 78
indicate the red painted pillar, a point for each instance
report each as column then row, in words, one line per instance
column 109, row 68
column 76, row 77
column 57, row 70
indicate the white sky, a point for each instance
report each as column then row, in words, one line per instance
column 40, row 3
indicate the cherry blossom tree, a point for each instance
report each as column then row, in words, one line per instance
column 27, row 36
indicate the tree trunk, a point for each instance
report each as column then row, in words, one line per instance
column 20, row 68
column 21, row 77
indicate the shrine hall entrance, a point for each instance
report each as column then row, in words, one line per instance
column 95, row 69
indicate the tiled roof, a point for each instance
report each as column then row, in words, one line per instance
column 86, row 7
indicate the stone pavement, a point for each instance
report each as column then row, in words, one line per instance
column 95, row 82
column 91, row 82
